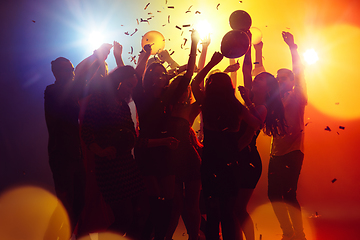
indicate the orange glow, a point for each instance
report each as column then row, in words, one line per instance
column 25, row 213
column 268, row 226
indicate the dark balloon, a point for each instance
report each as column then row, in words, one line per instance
column 235, row 44
column 240, row 20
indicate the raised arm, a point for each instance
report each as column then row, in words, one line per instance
column 165, row 56
column 247, row 67
column 118, row 49
column 199, row 79
column 143, row 58
column 205, row 44
column 258, row 65
column 297, row 67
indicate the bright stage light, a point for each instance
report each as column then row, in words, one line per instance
column 311, row 56
column 204, row 28
column 95, row 40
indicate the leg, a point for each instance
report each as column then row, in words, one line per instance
column 227, row 217
column 176, row 210
column 123, row 216
column 191, row 211
column 212, row 218
column 294, row 165
column 242, row 214
column 277, row 169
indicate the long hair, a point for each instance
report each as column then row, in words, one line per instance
column 275, row 123
column 221, row 110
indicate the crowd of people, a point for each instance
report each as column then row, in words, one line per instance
column 144, row 175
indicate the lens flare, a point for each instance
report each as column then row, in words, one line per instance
column 95, row 40
column 310, row 56
column 204, row 28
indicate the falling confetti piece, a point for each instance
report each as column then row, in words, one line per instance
column 241, row 2
column 217, row 7
column 197, row 12
column 307, row 123
column 172, row 53
column 132, row 50
column 338, row 133
column 256, row 62
column 287, row 28
column 164, row 25
column 127, row 33
column 146, row 6
column 158, row 11
column 137, row 20
column 327, row 128
column 187, row 11
column 182, row 33
column 252, row 165
column 337, row 103
column 134, row 33
column 199, row 50
column 342, row 127
column 334, row 180
column 185, row 41
column 143, row 20
column 178, row 27
column 171, row 7
column 33, row 21
column 149, row 13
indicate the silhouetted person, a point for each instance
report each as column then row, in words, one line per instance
column 287, row 152
column 65, row 158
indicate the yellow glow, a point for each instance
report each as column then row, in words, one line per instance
column 332, row 83
column 104, row 235
column 204, row 28
column 311, row 56
column 268, row 226
column 25, row 213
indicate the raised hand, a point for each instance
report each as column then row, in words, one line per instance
column 103, row 51
column 118, row 49
column 216, row 58
column 288, row 38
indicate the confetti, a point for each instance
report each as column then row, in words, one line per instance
column 134, row 33
column 217, row 7
column 169, row 19
column 199, row 50
column 241, row 2
column 142, row 20
column 172, row 53
column 171, row 7
column 33, row 21
column 127, row 33
column 189, row 9
column 132, row 50
column 307, row 123
column 197, row 12
column 337, row 103
column 256, row 62
column 149, row 13
column 327, row 128
column 185, row 41
column 164, row 25
column 146, row 6
column 342, row 127
column 178, row 27
column 186, row 25
column 334, row 180
column 182, row 33
column 137, row 21
column 133, row 59
column 158, row 11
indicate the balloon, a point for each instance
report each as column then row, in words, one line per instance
column 256, row 35
column 155, row 39
column 235, row 44
column 240, row 20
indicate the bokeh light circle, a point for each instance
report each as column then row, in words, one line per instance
column 256, row 35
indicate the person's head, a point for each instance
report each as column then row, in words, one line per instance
column 219, row 85
column 63, row 70
column 155, row 78
column 122, row 81
column 221, row 109
column 285, row 78
column 266, row 87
